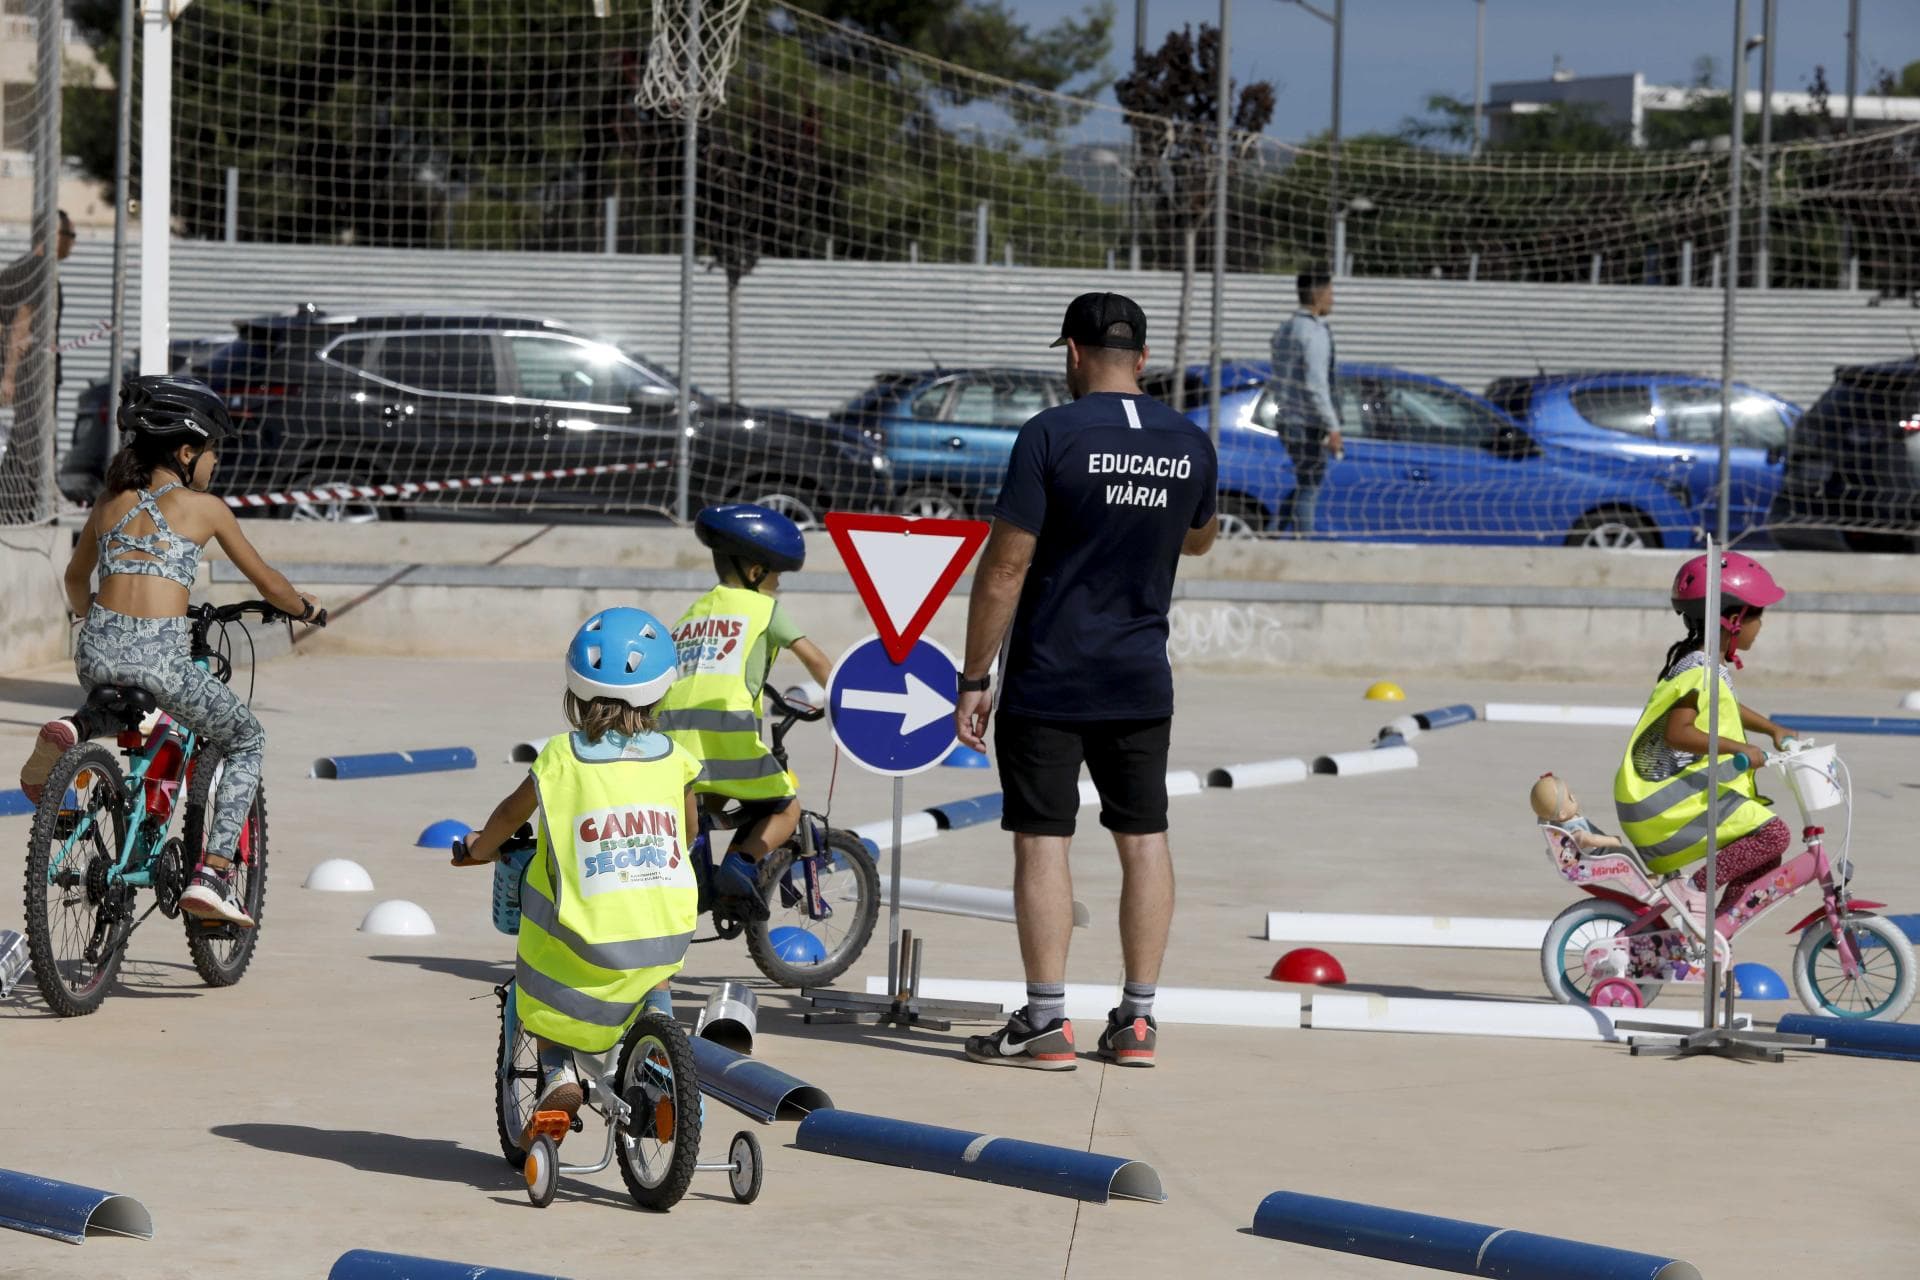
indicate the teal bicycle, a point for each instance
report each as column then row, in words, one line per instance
column 101, row 835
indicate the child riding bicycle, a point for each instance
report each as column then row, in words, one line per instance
column 728, row 641
column 146, row 543
column 608, row 904
column 1661, row 787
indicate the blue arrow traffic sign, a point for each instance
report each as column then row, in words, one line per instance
column 894, row 719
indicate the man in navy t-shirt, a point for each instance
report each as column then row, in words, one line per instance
column 1102, row 498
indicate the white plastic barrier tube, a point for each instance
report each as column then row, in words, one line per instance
column 1260, row 773
column 1911, row 702
column 1544, row 713
column 976, row 901
column 1184, row 782
column 1407, row 727
column 914, row 827
column 1350, row 764
column 1485, row 932
column 1089, row 1002
column 1512, row 1018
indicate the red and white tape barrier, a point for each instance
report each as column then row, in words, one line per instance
column 347, row 492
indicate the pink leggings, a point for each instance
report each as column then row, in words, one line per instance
column 1750, row 858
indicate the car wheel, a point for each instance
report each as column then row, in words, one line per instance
column 936, row 504
column 333, row 510
column 1613, row 531
column 1241, row 519
column 791, row 501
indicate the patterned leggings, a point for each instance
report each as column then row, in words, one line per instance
column 1752, row 857
column 151, row 654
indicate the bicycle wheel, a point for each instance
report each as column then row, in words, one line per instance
column 659, row 1143
column 516, row 1082
column 1883, row 987
column 1563, row 950
column 75, row 910
column 812, row 953
column 221, row 952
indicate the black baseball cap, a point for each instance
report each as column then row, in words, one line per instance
column 1091, row 315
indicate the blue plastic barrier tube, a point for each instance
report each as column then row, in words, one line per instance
column 763, row 1092
column 1904, row 725
column 1442, row 717
column 65, row 1211
column 1857, row 1038
column 1447, row 1244
column 1032, row 1166
column 365, row 1264
column 967, row 813
column 386, row 763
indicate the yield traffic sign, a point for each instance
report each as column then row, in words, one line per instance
column 903, row 568
column 894, row 718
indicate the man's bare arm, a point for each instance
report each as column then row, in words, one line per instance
column 1200, row 541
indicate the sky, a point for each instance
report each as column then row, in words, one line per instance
column 1399, row 51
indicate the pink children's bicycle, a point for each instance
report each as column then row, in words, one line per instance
column 1635, row 932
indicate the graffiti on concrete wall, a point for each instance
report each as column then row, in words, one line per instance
column 1210, row 632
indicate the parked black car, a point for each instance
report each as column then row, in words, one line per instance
column 1852, row 478
column 83, row 469
column 392, row 399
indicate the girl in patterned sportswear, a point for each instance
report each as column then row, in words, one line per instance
column 144, row 536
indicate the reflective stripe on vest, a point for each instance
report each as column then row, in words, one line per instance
column 608, row 905
column 1666, row 820
column 713, row 709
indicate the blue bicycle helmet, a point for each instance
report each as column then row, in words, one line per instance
column 742, row 532
column 625, row 654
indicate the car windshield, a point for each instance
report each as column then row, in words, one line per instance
column 653, row 370
column 874, row 398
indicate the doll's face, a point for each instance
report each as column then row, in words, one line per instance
column 1569, row 803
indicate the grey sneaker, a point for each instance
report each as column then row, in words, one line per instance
column 561, row 1091
column 1020, row 1044
column 1127, row 1042
column 210, row 897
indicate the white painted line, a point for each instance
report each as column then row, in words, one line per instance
column 914, row 827
column 975, row 901
column 1339, row 1012
column 1260, row 773
column 1088, row 1002
column 1544, row 713
column 1349, row 764
column 1336, row 928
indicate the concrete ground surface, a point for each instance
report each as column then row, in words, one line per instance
column 340, row 1095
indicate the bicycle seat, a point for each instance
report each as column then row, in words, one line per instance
column 125, row 706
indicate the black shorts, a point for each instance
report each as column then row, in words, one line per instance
column 1040, row 773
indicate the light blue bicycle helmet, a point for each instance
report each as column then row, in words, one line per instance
column 625, row 654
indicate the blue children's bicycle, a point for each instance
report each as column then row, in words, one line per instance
column 100, row 836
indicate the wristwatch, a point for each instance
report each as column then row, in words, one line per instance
column 976, row 684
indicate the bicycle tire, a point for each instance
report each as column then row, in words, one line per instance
column 44, row 937
column 221, row 954
column 661, row 1188
column 510, row 1115
column 866, row 904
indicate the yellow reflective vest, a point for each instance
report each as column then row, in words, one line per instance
column 713, row 710
column 1667, row 820
column 609, row 903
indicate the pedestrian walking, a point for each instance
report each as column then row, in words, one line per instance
column 1306, row 388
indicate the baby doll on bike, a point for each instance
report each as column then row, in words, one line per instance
column 608, row 903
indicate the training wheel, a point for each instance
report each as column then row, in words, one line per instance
column 542, row 1171
column 747, row 1171
column 1615, row 993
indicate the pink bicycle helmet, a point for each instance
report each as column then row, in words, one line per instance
column 1744, row 581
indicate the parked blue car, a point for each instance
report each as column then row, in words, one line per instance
column 948, row 432
column 1667, row 424
column 1427, row 460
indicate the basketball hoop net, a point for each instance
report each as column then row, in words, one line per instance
column 691, row 55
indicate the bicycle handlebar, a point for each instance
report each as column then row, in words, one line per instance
column 793, row 710
column 208, row 615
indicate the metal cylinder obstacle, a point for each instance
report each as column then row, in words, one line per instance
column 67, row 1211
column 754, row 1088
column 383, row 764
column 730, row 1018
column 1448, row 1244
column 366, row 1264
column 1009, row 1162
column 1855, row 1037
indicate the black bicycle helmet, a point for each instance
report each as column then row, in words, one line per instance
column 174, row 410
column 743, row 532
